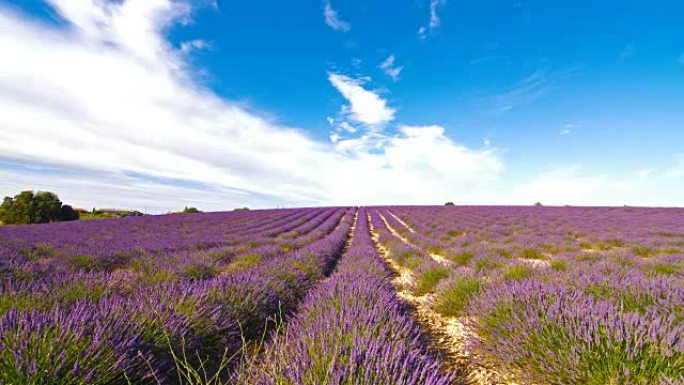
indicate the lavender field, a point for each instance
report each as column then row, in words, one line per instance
column 376, row 295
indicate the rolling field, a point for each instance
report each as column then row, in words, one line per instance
column 376, row 295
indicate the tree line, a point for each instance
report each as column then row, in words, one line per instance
column 41, row 207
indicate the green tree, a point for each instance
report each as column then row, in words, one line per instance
column 23, row 208
column 449, row 204
column 6, row 210
column 27, row 207
column 48, row 207
column 190, row 210
column 67, row 213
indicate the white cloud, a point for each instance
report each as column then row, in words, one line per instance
column 91, row 96
column 434, row 21
column 194, row 45
column 419, row 164
column 390, row 69
column 333, row 20
column 573, row 185
column 109, row 103
column 434, row 15
column 365, row 107
column 85, row 190
column 562, row 186
column 569, row 128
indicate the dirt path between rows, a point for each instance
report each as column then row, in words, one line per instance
column 401, row 221
column 436, row 257
column 446, row 335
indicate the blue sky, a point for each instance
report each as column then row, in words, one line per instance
column 163, row 103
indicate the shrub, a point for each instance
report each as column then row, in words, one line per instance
column 436, row 249
column 665, row 268
column 486, row 263
column 403, row 256
column 558, row 265
column 454, row 233
column 244, row 262
column 200, row 271
column 452, row 299
column 643, row 251
column 428, row 279
column 463, row 257
column 530, row 253
column 518, row 272
column 89, row 262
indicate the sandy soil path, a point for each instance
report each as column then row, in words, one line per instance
column 447, row 335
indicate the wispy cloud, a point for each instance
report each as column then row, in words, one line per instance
column 365, row 106
column 529, row 89
column 567, row 129
column 435, row 19
column 434, row 15
column 194, row 45
column 390, row 69
column 333, row 20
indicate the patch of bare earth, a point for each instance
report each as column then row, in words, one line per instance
column 446, row 335
column 536, row 263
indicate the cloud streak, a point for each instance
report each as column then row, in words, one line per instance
column 527, row 90
column 435, row 20
column 333, row 20
column 434, row 15
column 391, row 70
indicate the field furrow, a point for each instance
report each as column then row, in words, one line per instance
column 445, row 334
column 351, row 329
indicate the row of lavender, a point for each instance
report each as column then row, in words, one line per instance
column 554, row 295
column 29, row 251
column 351, row 329
column 29, row 273
column 79, row 326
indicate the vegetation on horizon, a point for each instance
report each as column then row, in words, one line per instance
column 29, row 207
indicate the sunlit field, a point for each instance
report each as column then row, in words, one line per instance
column 370, row 295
